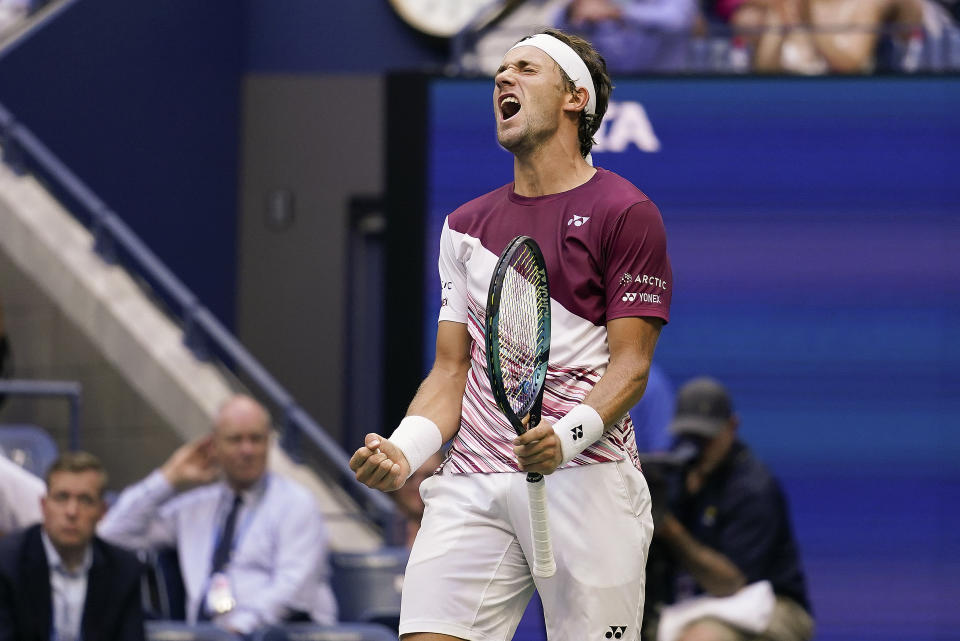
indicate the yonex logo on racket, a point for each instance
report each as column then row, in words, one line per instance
column 578, row 221
column 616, row 631
column 577, row 432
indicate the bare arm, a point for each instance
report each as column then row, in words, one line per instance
column 440, row 396
column 380, row 464
column 713, row 571
column 632, row 342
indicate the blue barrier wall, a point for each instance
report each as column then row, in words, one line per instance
column 142, row 101
column 813, row 226
column 307, row 36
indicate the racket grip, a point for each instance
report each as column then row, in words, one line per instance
column 543, row 561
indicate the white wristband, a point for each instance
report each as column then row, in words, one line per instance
column 578, row 430
column 418, row 438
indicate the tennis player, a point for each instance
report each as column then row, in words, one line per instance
column 605, row 248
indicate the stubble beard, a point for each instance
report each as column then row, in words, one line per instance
column 524, row 139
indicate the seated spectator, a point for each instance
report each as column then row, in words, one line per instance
column 20, row 495
column 821, row 36
column 941, row 35
column 59, row 581
column 635, row 35
column 484, row 49
column 252, row 546
column 728, row 533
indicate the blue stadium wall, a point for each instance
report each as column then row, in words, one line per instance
column 813, row 227
column 143, row 102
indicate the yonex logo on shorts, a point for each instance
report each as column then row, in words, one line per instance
column 578, row 221
column 577, row 432
column 616, row 631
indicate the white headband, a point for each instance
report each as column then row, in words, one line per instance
column 568, row 59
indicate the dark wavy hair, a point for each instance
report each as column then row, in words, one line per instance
column 597, row 66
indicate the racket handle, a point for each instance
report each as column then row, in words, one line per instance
column 543, row 562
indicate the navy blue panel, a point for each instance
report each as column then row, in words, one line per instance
column 141, row 100
column 813, row 226
column 307, row 36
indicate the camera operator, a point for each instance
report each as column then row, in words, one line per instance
column 724, row 549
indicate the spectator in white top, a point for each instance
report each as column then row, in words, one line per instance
column 636, row 35
column 252, row 546
column 20, row 494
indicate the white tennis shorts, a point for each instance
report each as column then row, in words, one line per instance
column 469, row 571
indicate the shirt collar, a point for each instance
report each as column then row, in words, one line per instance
column 251, row 495
column 56, row 563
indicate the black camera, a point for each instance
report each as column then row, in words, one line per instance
column 665, row 471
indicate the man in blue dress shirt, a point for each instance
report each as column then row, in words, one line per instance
column 252, row 545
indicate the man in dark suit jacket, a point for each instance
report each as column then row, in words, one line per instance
column 57, row 580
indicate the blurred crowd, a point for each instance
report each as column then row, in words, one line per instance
column 808, row 37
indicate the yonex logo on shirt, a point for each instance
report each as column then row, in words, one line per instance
column 616, row 631
column 578, row 221
column 630, row 297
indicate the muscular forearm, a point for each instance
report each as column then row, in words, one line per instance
column 632, row 343
column 619, row 389
column 715, row 573
column 440, row 398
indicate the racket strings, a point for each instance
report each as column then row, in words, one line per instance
column 520, row 331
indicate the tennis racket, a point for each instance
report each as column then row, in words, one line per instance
column 518, row 348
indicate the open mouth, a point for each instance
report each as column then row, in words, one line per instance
column 509, row 107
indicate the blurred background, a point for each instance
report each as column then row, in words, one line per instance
column 201, row 197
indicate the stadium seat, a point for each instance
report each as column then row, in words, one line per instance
column 162, row 592
column 29, row 446
column 368, row 585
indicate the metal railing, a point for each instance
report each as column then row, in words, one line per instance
column 203, row 334
column 70, row 391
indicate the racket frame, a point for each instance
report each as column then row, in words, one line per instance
column 544, row 564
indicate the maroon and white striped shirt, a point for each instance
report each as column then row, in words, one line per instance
column 606, row 254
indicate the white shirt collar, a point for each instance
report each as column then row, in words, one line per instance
column 56, row 563
column 250, row 496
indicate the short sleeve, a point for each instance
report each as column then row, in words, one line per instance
column 637, row 276
column 453, row 277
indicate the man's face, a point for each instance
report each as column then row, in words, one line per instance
column 240, row 445
column 715, row 450
column 72, row 507
column 528, row 97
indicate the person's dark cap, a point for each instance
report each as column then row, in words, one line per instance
column 703, row 408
